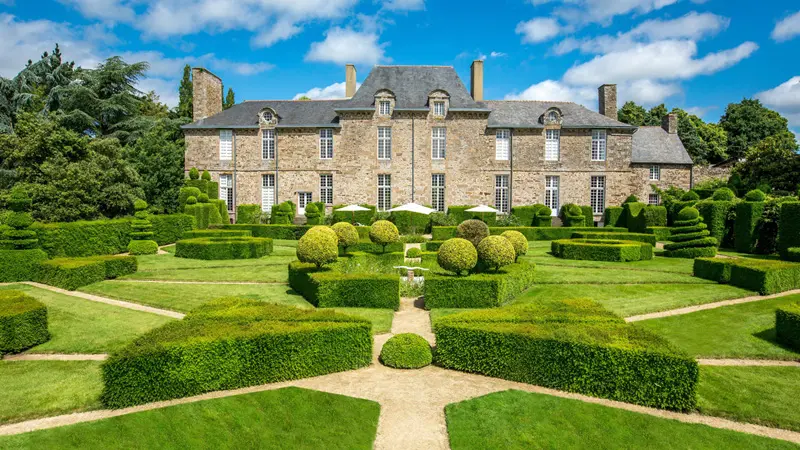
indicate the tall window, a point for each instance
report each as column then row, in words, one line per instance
column 326, row 188
column 598, row 145
column 437, row 191
column 653, row 199
column 597, row 196
column 225, row 145
column 384, row 192
column 655, row 173
column 438, row 142
column 326, row 143
column 267, row 191
column 385, row 107
column 267, row 144
column 552, row 145
column 551, row 194
column 438, row 109
column 226, row 190
column 502, row 145
column 501, row 193
column 384, row 143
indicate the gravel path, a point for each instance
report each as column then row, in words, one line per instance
column 691, row 309
column 747, row 362
column 56, row 357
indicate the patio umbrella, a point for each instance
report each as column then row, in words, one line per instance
column 413, row 208
column 353, row 209
column 483, row 209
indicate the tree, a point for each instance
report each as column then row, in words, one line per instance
column 230, row 99
column 771, row 162
column 748, row 123
column 304, row 97
column 656, row 115
column 705, row 142
column 185, row 94
column 632, row 114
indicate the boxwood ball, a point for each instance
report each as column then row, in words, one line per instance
column 457, row 255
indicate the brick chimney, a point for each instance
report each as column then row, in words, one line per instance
column 476, row 80
column 349, row 80
column 607, row 100
column 670, row 123
column 206, row 93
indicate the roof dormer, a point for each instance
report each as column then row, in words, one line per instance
column 267, row 118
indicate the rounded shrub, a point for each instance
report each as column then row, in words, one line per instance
column 406, row 351
column 346, row 234
column 631, row 199
column 688, row 213
column 202, row 198
column 723, row 195
column 139, row 205
column 496, row 251
column 19, row 220
column 384, row 233
column 518, row 240
column 690, row 196
column 191, row 200
column 206, row 176
column 326, row 230
column 457, row 255
column 318, row 247
column 142, row 247
column 413, row 252
column 23, row 322
column 473, row 230
column 756, row 195
column 19, row 201
column 194, row 173
column 574, row 210
column 545, row 211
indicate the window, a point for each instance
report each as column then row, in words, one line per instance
column 384, row 143
column 552, row 117
column 438, row 109
column 267, row 144
column 384, row 107
column 326, row 143
column 597, row 195
column 552, row 145
column 501, row 193
column 326, row 188
column 267, row 191
column 598, row 145
column 502, row 145
column 225, row 145
column 226, row 190
column 437, row 191
column 438, row 142
column 384, row 192
column 655, row 173
column 653, row 199
column 267, row 116
column 551, row 194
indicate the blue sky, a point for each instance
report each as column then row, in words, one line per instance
column 698, row 55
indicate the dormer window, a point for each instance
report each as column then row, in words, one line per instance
column 267, row 117
column 438, row 109
column 552, row 117
column 384, row 107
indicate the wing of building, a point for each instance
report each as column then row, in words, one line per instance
column 416, row 134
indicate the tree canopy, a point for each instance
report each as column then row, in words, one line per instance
column 748, row 123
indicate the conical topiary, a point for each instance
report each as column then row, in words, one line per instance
column 19, row 237
column 690, row 236
column 141, row 238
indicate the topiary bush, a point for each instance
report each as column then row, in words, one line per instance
column 191, row 200
column 206, row 176
column 185, row 193
column 723, row 195
column 496, row 252
column 228, row 247
column 318, row 247
column 755, row 195
column 143, row 247
column 631, row 199
column 384, row 233
column 202, row 198
column 690, row 237
column 572, row 216
column 788, row 228
column 313, row 216
column 613, row 216
column 518, row 240
column 601, row 250
column 194, row 173
column 690, row 196
column 413, row 252
column 472, row 230
column 406, row 351
column 749, row 214
column 248, row 214
column 478, row 290
column 787, row 325
column 23, row 322
column 457, row 255
column 19, row 237
column 141, row 237
column 346, row 234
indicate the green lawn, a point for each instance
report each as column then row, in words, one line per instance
column 552, row 274
column 381, row 318
column 83, row 326
column 738, row 331
column 31, row 389
column 521, row 420
column 289, row 418
column 763, row 395
column 264, row 273
column 658, row 264
column 152, row 263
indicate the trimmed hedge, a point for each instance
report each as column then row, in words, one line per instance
column 661, row 233
column 214, row 232
column 655, row 216
column 84, row 238
column 530, row 215
column 614, row 217
column 787, row 325
column 406, row 351
column 601, row 250
column 571, row 215
column 147, row 247
column 789, row 228
column 328, row 287
column 233, row 343
column 715, row 215
column 371, row 247
column 403, row 221
column 761, row 275
column 479, row 290
column 635, row 218
column 248, row 214
column 638, row 237
column 459, row 212
column 117, row 266
column 23, row 322
column 690, row 237
column 170, row 228
column 531, row 233
column 793, row 254
column 571, row 345
column 243, row 247
column 71, row 273
column 205, row 214
column 283, row 232
column 433, row 246
column 20, row 265
column 362, row 217
column 748, row 215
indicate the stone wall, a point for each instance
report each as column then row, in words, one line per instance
column 206, row 93
column 671, row 175
column 705, row 173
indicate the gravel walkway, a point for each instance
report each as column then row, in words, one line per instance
column 691, row 309
column 748, row 362
column 56, row 357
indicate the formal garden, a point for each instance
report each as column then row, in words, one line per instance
column 671, row 325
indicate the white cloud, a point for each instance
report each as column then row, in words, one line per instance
column 167, row 90
column 279, row 31
column 784, row 98
column 113, row 10
column 497, row 54
column 700, row 111
column 404, row 5
column 345, row 45
column 787, row 28
column 602, row 11
column 645, row 92
column 334, row 91
column 539, row 29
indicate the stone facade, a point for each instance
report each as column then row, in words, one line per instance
column 207, row 93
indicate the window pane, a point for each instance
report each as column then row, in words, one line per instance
column 226, row 190
column 437, row 191
column 267, row 192
column 598, row 194
column 326, row 144
column 552, row 145
column 438, row 142
column 384, row 143
column 598, row 145
column 551, row 194
column 326, row 188
column 501, row 193
column 268, row 144
column 502, row 145
column 384, row 192
column 225, row 145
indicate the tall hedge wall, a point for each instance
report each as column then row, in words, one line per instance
column 715, row 215
column 614, row 216
column 84, row 238
column 403, row 222
column 285, row 232
column 761, row 275
column 635, row 219
column 532, row 233
column 748, row 214
column 362, row 217
column 170, row 228
column 789, row 228
column 20, row 265
column 248, row 214
column 480, row 290
column 459, row 212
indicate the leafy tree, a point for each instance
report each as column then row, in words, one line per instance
column 705, row 143
column 748, row 123
column 772, row 162
column 632, row 114
column 185, row 94
column 304, row 97
column 230, row 99
column 656, row 115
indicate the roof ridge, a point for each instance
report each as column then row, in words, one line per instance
column 416, row 65
column 298, row 100
column 540, row 101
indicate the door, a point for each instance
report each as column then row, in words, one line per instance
column 551, row 194
column 303, row 199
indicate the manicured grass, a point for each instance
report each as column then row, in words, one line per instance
column 763, row 395
column 521, row 420
column 547, row 274
column 657, row 264
column 152, row 263
column 381, row 318
column 441, row 312
column 265, row 273
column 31, row 389
column 82, row 326
column 286, row 418
column 738, row 331
column 169, row 249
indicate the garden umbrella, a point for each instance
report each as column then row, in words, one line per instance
column 413, row 208
column 353, row 209
column 483, row 209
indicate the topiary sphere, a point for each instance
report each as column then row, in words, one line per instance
column 413, row 252
column 473, row 230
column 19, row 201
column 690, row 196
column 574, row 210
column 19, row 220
column 756, row 195
column 457, row 255
column 406, row 351
column 206, row 176
column 191, row 200
column 346, row 234
column 545, row 211
column 318, row 247
column 312, row 210
column 688, row 213
column 723, row 195
column 139, row 205
column 383, row 233
column 142, row 247
column 324, row 230
column 496, row 251
column 202, row 198
column 194, row 173
column 631, row 199
column 518, row 240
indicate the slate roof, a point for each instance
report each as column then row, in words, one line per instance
column 291, row 113
column 654, row 145
column 526, row 114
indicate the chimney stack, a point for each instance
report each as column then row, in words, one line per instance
column 206, row 94
column 670, row 123
column 349, row 80
column 607, row 99
column 476, row 80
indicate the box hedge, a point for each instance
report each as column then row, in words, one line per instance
column 84, row 238
column 20, row 265
column 635, row 218
column 716, row 216
column 248, row 214
column 460, row 214
column 362, row 217
column 601, row 250
column 787, row 325
column 215, row 232
column 170, row 228
column 329, row 287
column 661, row 233
column 403, row 221
column 748, row 215
column 614, row 217
column 117, row 266
column 205, row 214
column 532, row 233
column 23, row 322
column 283, row 232
column 569, row 345
column 761, row 275
column 234, row 343
column 527, row 214
column 371, row 247
column 478, row 290
column 638, row 237
column 229, row 247
column 74, row 273
column 793, row 254
column 789, row 228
